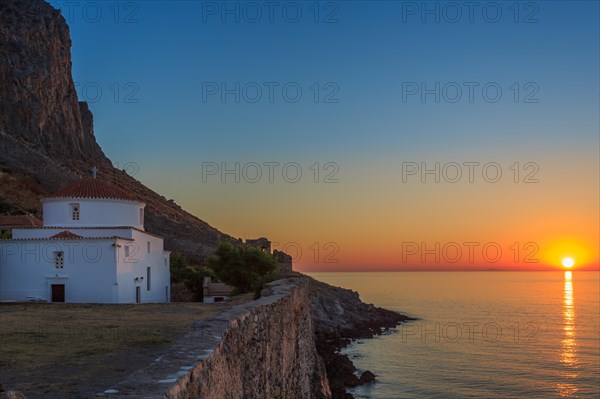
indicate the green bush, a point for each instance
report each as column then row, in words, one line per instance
column 182, row 271
column 243, row 267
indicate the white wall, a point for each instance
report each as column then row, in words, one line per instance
column 89, row 274
column 92, row 213
column 136, row 265
column 95, row 271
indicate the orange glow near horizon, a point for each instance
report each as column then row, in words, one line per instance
column 342, row 229
column 362, row 223
column 568, row 253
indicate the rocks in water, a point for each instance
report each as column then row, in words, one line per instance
column 345, row 371
column 339, row 317
column 366, row 377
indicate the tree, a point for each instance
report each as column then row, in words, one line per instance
column 243, row 267
column 192, row 276
column 179, row 267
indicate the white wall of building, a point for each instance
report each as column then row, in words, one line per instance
column 93, row 213
column 94, row 271
column 27, row 270
column 133, row 270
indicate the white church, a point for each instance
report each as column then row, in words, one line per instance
column 92, row 248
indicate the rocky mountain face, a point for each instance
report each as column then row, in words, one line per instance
column 39, row 101
column 47, row 136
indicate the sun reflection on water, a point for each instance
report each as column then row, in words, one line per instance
column 568, row 356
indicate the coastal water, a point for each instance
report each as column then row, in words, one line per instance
column 481, row 334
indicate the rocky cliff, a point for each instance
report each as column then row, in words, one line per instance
column 39, row 101
column 47, row 136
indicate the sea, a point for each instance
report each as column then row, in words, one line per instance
column 481, row 334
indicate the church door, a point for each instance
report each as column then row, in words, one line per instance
column 58, row 292
column 138, row 294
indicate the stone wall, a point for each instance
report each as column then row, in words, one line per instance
column 261, row 349
column 285, row 262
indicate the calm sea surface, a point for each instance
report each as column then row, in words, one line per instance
column 481, row 334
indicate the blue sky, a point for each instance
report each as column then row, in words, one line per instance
column 169, row 52
column 166, row 54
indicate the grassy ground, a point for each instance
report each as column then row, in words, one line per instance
column 66, row 350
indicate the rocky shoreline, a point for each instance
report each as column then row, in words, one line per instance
column 339, row 317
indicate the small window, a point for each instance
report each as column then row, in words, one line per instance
column 148, row 246
column 59, row 259
column 75, row 211
column 126, row 251
column 148, row 277
column 166, row 262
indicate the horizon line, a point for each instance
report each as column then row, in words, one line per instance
column 557, row 269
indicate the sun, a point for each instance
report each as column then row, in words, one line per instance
column 568, row 262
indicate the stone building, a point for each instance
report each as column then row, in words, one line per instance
column 285, row 260
column 214, row 290
column 260, row 243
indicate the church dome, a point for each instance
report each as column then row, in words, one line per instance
column 93, row 189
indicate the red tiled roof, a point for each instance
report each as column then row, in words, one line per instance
column 65, row 235
column 92, row 188
column 97, row 228
column 20, row 221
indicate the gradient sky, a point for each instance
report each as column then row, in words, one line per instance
column 155, row 63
